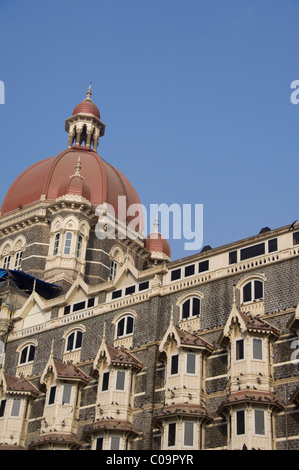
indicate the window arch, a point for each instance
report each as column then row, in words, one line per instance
column 125, row 326
column 253, row 290
column 27, row 354
column 74, row 340
column 190, row 305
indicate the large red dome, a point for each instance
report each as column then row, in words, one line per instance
column 47, row 178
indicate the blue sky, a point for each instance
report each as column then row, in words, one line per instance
column 195, row 95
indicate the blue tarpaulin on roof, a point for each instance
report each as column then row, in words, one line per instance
column 27, row 283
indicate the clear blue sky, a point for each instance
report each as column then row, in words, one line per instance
column 195, row 95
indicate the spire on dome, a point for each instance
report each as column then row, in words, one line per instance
column 78, row 167
column 84, row 127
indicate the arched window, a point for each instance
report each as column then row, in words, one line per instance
column 27, row 354
column 113, row 269
column 6, row 262
column 74, row 340
column 125, row 326
column 190, row 308
column 79, row 246
column 253, row 290
column 56, row 244
column 18, row 260
column 68, row 243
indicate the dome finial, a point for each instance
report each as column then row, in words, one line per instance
column 88, row 94
column 156, row 224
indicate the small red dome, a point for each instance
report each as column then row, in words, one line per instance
column 76, row 186
column 87, row 107
column 156, row 243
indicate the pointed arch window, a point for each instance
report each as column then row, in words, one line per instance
column 74, row 340
column 125, row 326
column 56, row 244
column 6, row 262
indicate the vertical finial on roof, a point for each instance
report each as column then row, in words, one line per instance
column 88, row 94
column 171, row 315
column 104, row 332
column 156, row 224
column 52, row 348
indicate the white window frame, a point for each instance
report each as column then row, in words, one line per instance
column 28, row 346
column 190, row 446
column 236, row 422
column 190, row 316
column 124, row 380
column 70, row 388
column 67, row 245
column 6, row 262
column 170, row 365
column 125, row 319
column 253, row 298
column 195, row 364
column 18, row 260
column 13, row 401
column 262, row 349
column 254, row 417
column 175, row 436
column 244, row 352
column 75, row 333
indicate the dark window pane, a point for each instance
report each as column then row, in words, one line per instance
column 120, row 327
column 272, row 245
column 130, row 325
column 171, row 434
column 189, row 270
column 175, row 274
column 233, row 257
column 196, row 306
column 116, row 294
column 24, row 355
column 99, row 445
column 31, row 353
column 203, row 266
column 296, row 238
column 52, row 395
column 143, row 285
column 174, row 364
column 130, row 290
column 67, row 309
column 239, row 349
column 105, row 383
column 79, row 306
column 258, row 290
column 79, row 339
column 70, row 342
column 189, row 432
column 247, row 296
column 240, row 422
column 2, row 408
column 252, row 251
column 186, row 309
column 90, row 302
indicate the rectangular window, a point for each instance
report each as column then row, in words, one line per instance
column 130, row 290
column 176, row 274
column 188, row 434
column 15, row 407
column 105, row 382
column 233, row 257
column 203, row 266
column 296, row 238
column 67, row 310
column 2, row 408
column 239, row 349
column 240, row 422
column 272, row 245
column 79, row 306
column 52, row 395
column 66, row 395
column 115, row 443
column 99, row 444
column 174, row 368
column 6, row 263
column 189, row 270
column 79, row 246
column 252, row 251
column 120, row 380
column 116, row 294
column 258, row 290
column 171, row 434
column 18, row 260
column 143, row 286
column 90, row 302
column 191, row 362
column 56, row 244
column 68, row 243
column 257, row 349
column 259, row 422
